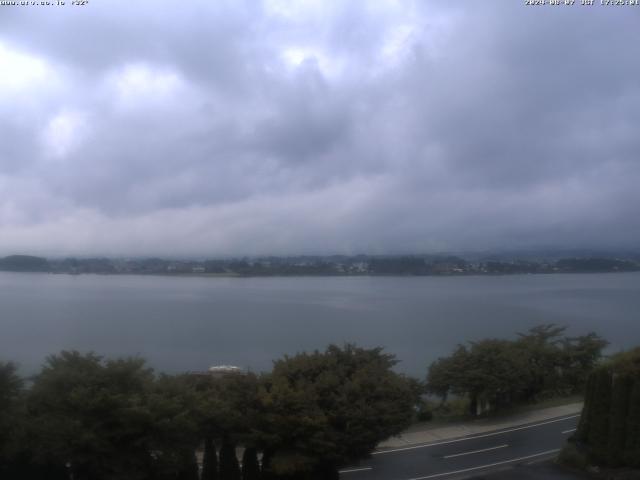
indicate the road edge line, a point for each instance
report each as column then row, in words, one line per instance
column 473, row 437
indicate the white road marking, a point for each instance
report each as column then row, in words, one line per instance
column 519, row 459
column 474, row 437
column 569, row 431
column 476, row 451
column 351, row 470
column 537, row 460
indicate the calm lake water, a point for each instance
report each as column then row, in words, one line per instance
column 191, row 323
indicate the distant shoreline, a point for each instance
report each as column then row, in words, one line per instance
column 299, row 275
column 321, row 266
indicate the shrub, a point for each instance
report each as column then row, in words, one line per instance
column 571, row 456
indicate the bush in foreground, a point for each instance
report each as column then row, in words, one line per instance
column 610, row 423
column 98, row 419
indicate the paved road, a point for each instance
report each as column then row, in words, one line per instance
column 467, row 456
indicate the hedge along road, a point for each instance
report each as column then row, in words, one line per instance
column 467, row 456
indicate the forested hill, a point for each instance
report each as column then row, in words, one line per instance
column 24, row 263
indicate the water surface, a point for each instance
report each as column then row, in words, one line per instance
column 190, row 323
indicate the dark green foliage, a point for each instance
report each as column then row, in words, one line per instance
column 11, row 417
column 250, row 465
column 632, row 444
column 227, row 406
column 266, row 469
column 494, row 372
column 572, row 457
column 620, row 396
column 189, row 467
column 109, row 419
column 541, row 347
column 209, row 461
column 332, row 407
column 90, row 413
column 610, row 424
column 97, row 419
column 601, row 408
column 424, row 411
column 174, row 431
column 447, row 374
column 497, row 373
column 229, row 467
column 582, row 432
column 578, row 357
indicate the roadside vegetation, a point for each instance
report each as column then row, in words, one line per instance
column 89, row 418
column 608, row 435
column 493, row 375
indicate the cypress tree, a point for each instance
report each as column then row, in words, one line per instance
column 598, row 435
column 209, row 461
column 610, row 423
column 229, row 467
column 632, row 444
column 267, row 474
column 250, row 466
column 189, row 467
column 582, row 432
column 620, row 397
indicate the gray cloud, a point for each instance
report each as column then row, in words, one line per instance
column 280, row 127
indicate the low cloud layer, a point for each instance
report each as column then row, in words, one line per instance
column 217, row 128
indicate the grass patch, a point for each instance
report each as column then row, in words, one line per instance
column 532, row 407
column 433, row 414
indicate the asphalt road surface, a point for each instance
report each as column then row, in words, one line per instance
column 467, row 456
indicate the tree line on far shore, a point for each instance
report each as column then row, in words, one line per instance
column 90, row 418
column 407, row 265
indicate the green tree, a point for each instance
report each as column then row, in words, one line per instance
column 226, row 407
column 493, row 374
column 229, row 467
column 188, row 469
column 109, row 419
column 599, row 424
column 266, row 468
column 620, row 397
column 90, row 414
column 610, row 421
column 499, row 373
column 489, row 372
column 632, row 444
column 209, row 461
column 250, row 465
column 444, row 375
column 327, row 408
column 540, row 346
column 11, row 419
column 174, row 432
column 580, row 355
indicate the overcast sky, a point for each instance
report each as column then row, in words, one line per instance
column 225, row 128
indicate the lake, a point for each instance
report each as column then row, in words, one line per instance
column 190, row 323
